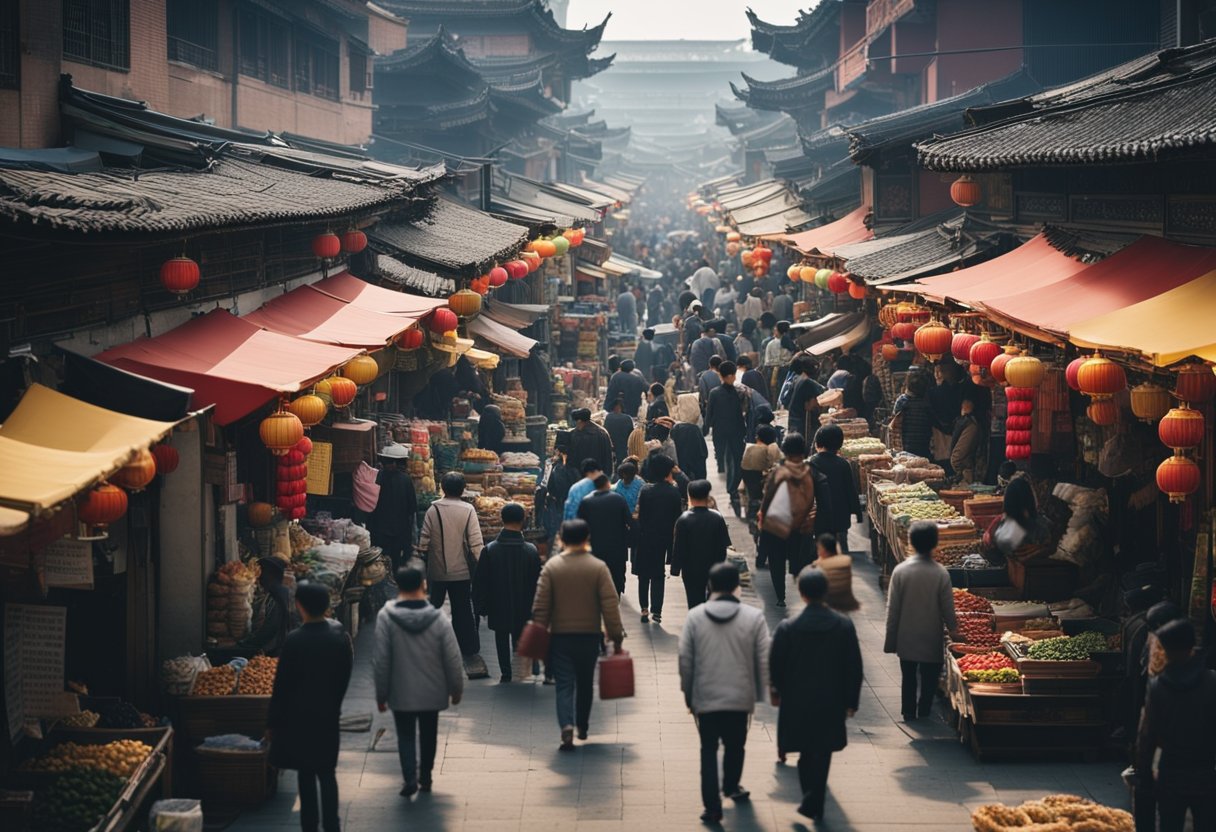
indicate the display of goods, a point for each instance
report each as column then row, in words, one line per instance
column 913, row 510
column 1002, row 676
column 975, row 628
column 889, row 493
column 985, row 661
column 84, row 719
column 1010, row 637
column 77, row 801
column 515, row 459
column 959, row 555
column 1054, row 813
column 120, row 758
column 1091, row 640
column 1040, row 623
column 965, row 601
column 120, row 715
column 1060, row 649
column 862, row 445
column 217, row 681
column 478, row 455
column 257, row 679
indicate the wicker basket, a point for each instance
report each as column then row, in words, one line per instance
column 235, row 778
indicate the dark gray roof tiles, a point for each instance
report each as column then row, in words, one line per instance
column 452, row 239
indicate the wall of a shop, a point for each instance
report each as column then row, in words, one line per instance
column 186, row 551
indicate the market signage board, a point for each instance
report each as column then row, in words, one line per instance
column 320, row 468
column 69, row 564
column 33, row 662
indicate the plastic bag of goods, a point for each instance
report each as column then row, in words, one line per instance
column 176, row 816
column 177, row 675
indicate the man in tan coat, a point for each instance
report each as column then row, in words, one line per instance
column 575, row 593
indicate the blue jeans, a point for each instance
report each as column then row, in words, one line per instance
column 572, row 657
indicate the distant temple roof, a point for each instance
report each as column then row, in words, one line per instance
column 793, row 45
column 787, row 94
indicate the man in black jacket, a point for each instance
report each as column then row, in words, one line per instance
column 727, row 416
column 1180, row 719
column 627, row 386
column 659, row 506
column 306, row 705
column 611, row 522
column 619, row 425
column 392, row 521
column 815, row 672
column 504, row 584
column 835, row 518
column 589, row 441
column 701, row 539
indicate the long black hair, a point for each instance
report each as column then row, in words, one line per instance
column 1020, row 503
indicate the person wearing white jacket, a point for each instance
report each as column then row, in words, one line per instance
column 723, row 673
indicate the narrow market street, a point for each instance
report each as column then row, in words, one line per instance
column 498, row 767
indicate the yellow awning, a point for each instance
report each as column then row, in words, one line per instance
column 482, row 359
column 54, row 446
column 1165, row 329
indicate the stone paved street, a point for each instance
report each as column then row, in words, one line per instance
column 498, row 767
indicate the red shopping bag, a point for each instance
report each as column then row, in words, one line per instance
column 533, row 642
column 616, row 675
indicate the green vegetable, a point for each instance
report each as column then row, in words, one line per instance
column 1005, row 675
column 77, row 800
column 1061, row 649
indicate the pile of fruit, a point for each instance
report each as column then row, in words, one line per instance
column 1002, row 676
column 985, row 661
column 976, row 630
column 965, row 601
column 1061, row 649
column 77, row 800
column 910, row 511
column 257, row 679
column 119, row 758
column 862, row 445
column 888, row 494
column 1055, row 813
column 218, row 681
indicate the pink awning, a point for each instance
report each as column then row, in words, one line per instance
column 230, row 362
column 346, row 287
column 851, row 228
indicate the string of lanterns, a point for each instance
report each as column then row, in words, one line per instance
column 107, row 502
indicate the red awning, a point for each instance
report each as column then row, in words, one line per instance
column 1031, row 267
column 310, row 313
column 230, row 362
column 851, row 228
column 346, row 287
column 1146, row 268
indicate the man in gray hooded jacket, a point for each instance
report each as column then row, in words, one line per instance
column 723, row 673
column 417, row 669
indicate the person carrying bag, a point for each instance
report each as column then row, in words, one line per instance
column 787, row 512
column 450, row 543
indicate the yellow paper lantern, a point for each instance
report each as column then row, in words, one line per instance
column 281, row 431
column 1025, row 371
column 465, row 303
column 136, row 474
column 309, row 408
column 1150, row 401
column 362, row 369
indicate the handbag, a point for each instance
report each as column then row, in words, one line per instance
column 533, row 642
column 469, row 560
column 779, row 517
column 616, row 675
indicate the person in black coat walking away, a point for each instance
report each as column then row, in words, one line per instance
column 392, row 520
column 627, row 386
column 659, row 505
column 728, row 415
column 611, row 522
column 656, row 399
column 691, row 450
column 844, row 503
column 504, row 584
column 590, row 441
column 490, row 429
column 619, row 425
column 815, row 672
column 700, row 541
column 306, row 705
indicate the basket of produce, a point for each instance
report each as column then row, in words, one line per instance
column 965, row 601
column 257, row 678
column 990, row 672
column 976, row 633
column 1057, row 813
column 1062, row 657
column 78, row 800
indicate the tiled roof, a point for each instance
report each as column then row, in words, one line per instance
column 787, row 94
column 231, row 192
column 789, row 43
column 452, row 239
column 417, row 281
column 904, row 256
column 1142, row 111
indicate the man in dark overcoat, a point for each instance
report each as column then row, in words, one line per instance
column 611, row 522
column 659, row 506
column 504, row 584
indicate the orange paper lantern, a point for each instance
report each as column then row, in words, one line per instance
column 966, row 192
column 179, row 275
column 1181, row 428
column 280, row 431
column 362, row 369
column 1100, row 378
column 1103, row 412
column 167, row 458
column 342, row 390
column 857, row 291
column 136, row 474
column 102, row 505
column 889, row 352
column 807, row 274
column 464, row 303
column 1178, row 477
column 905, row 331
column 933, row 339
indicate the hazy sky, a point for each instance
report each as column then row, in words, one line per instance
column 673, row 19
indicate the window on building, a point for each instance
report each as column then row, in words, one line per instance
column 10, row 52
column 360, row 80
column 193, row 27
column 97, row 32
column 316, row 60
column 264, row 48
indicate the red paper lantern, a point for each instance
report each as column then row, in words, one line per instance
column 411, row 339
column 838, row 284
column 342, row 390
column 498, row 276
column 1196, row 384
column 1020, row 407
column 179, row 275
column 136, row 474
column 1022, row 422
column 1017, row 437
column 299, row 513
column 516, row 270
column 441, row 321
column 102, row 505
column 531, row 258
column 933, row 340
column 1071, row 371
column 966, row 192
column 1103, row 412
column 857, row 291
column 293, row 457
column 984, row 352
column 1178, row 477
column 1181, row 428
column 304, row 446
column 326, row 246
column 354, row 241
column 904, row 331
column 1100, row 378
column 889, row 352
column 961, row 344
column 284, row 503
column 1023, row 394
column 167, row 458
column 1017, row 452
column 997, row 368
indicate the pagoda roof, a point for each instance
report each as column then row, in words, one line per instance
column 788, row 94
column 440, row 50
column 426, row 16
column 793, row 44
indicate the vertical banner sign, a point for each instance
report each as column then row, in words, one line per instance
column 35, row 635
column 320, row 468
column 69, row 563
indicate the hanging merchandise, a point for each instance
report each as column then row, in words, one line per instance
column 561, row 245
column 136, row 474
column 309, row 408
column 857, row 291
column 792, row 272
column 179, row 275
column 411, row 339
column 545, row 248
column 933, row 339
column 167, row 458
column 997, row 368
column 1149, row 401
column 1178, row 477
column 326, row 246
column 354, row 241
column 464, row 303
column 362, row 369
column 961, row 344
column 102, row 505
column 1103, row 412
column 280, row 431
column 516, row 270
column 441, row 321
column 1017, row 430
column 1025, row 371
column 342, row 391
column 984, row 352
column 1196, row 383
column 821, row 278
column 575, row 236
column 904, row 331
column 1100, row 378
column 807, row 274
column 1073, row 369
column 1181, row 428
column 838, row 284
